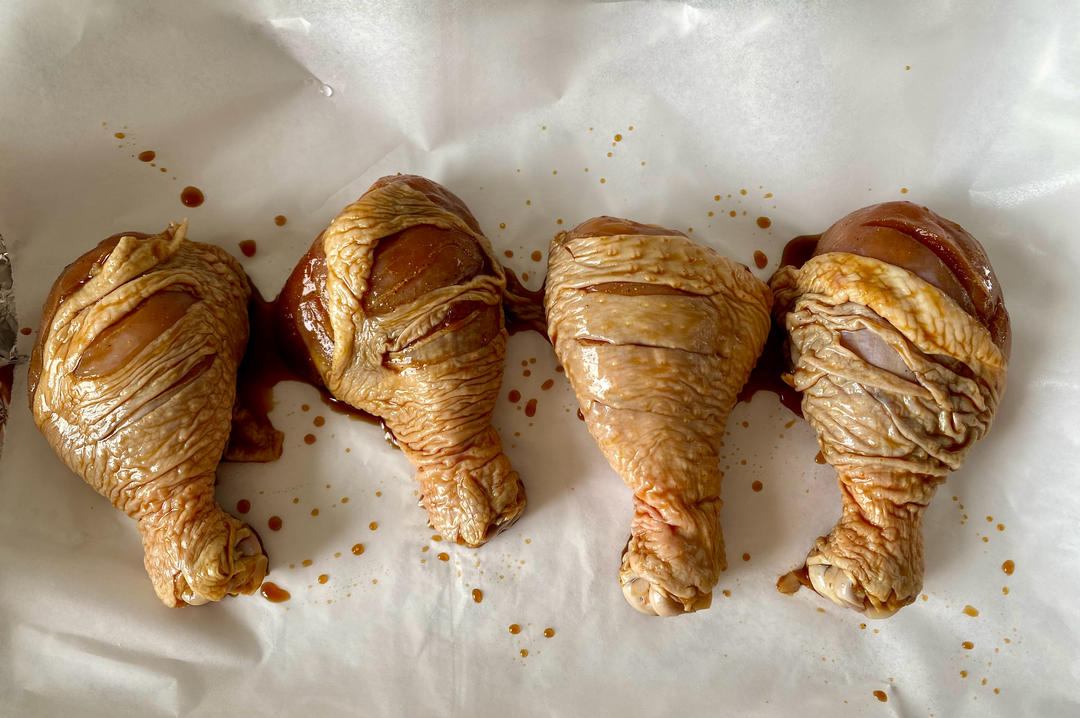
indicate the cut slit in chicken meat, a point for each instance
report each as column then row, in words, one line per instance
column 132, row 382
column 657, row 335
column 397, row 310
column 899, row 343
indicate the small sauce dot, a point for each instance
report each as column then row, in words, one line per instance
column 305, row 407
column 742, row 191
column 443, row 556
column 757, row 486
column 1005, row 590
column 275, row 523
column 764, row 222
column 191, row 196
column 524, row 652
column 618, row 138
column 147, row 156
column 971, row 611
column 760, row 260
column 280, row 220
column 524, row 276
column 515, row 629
column 306, row 562
column 530, row 408
column 477, row 595
column 357, row 549
column 274, row 593
column 1001, row 527
column 602, row 180
column 314, row 512
column 549, row 632
column 514, row 396
column 309, row 438
column 880, row 695
column 319, row 421
column 502, row 225
column 25, row 331
column 119, row 135
column 1008, row 567
column 967, row 645
column 247, row 247
column 323, row 578
column 819, row 458
column 732, row 213
column 373, row 525
column 746, row 557
column 243, row 506
column 535, row 256
column 547, row 385
column 768, row 195
column 436, row 537
column 903, row 190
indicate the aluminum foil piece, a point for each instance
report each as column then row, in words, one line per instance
column 9, row 333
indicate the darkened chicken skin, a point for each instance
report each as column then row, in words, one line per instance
column 657, row 335
column 899, row 342
column 132, row 381
column 397, row 310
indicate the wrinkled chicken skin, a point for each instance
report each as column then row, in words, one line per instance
column 132, row 382
column 657, row 335
column 899, row 343
column 396, row 310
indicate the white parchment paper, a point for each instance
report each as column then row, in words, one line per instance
column 692, row 115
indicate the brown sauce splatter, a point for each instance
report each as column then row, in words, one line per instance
column 536, row 256
column 357, row 549
column 514, row 396
column 580, row 416
column 306, row 562
column 768, row 374
column 443, row 556
column 314, row 512
column 309, row 438
column 147, row 156
column 280, row 220
column 247, row 247
column 523, row 307
column 760, row 260
column 967, row 645
column 549, row 632
column 746, row 557
column 243, row 506
column 192, row 196
column 757, row 486
column 274, row 593
column 880, row 695
column 323, row 578
column 119, row 135
column 547, row 385
column 819, row 458
column 515, row 629
column 477, row 595
column 524, row 652
column 971, row 611
column 374, row 525
column 530, row 408
column 319, row 421
column 764, row 222
column 275, row 523
column 1008, row 567
column 25, row 331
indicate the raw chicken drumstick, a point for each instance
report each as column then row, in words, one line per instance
column 132, row 382
column 899, row 341
column 396, row 310
column 657, row 335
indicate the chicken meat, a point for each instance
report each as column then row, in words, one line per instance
column 132, row 382
column 657, row 336
column 396, row 310
column 899, row 342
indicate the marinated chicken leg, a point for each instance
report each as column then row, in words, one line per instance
column 899, row 342
column 396, row 309
column 657, row 335
column 132, row 382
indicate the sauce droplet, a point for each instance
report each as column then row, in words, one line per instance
column 274, row 593
column 1008, row 567
column 515, row 629
column 746, row 557
column 819, row 458
column 191, row 196
column 971, row 611
column 477, row 595
column 319, row 421
column 306, row 562
column 967, row 645
column 535, row 256
column 243, row 506
column 760, row 260
column 443, row 556
column 25, row 331
column 764, row 222
column 309, row 438
column 530, row 408
column 524, row 652
column 880, row 695
column 357, row 549
column 119, row 135
column 373, row 525
column 147, row 156
column 323, row 578
column 514, row 396
column 280, row 220
column 247, row 247
column 547, row 385
column 314, row 512
column 757, row 486
column 275, row 523
column 549, row 632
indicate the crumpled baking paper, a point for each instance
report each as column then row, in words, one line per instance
column 701, row 115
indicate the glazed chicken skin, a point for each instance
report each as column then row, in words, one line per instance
column 657, row 336
column 396, row 310
column 899, row 341
column 132, row 382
